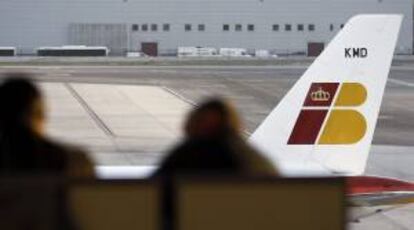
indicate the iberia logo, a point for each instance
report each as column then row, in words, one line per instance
column 327, row 118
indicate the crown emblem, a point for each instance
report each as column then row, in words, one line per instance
column 320, row 95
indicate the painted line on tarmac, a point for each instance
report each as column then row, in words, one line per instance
column 402, row 83
column 90, row 111
column 179, row 96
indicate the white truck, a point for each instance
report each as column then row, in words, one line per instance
column 233, row 52
column 196, row 52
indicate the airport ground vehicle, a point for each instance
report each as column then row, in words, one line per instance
column 196, row 52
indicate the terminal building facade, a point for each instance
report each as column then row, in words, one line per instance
column 159, row 27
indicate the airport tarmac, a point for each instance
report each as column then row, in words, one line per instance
column 131, row 115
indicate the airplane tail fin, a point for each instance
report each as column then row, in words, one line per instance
column 326, row 122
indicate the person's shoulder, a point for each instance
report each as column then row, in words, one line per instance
column 254, row 161
column 51, row 150
column 60, row 148
column 77, row 160
column 73, row 152
column 177, row 157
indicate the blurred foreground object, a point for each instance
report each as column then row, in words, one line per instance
column 37, row 203
column 23, row 145
column 213, row 144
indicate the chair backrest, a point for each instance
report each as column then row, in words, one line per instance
column 115, row 205
column 199, row 203
column 34, row 203
column 260, row 204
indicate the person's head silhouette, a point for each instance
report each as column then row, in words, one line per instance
column 21, row 106
column 213, row 145
column 213, row 118
column 24, row 147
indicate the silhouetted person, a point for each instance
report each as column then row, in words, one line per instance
column 213, row 145
column 23, row 145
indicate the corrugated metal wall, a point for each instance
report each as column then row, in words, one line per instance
column 113, row 36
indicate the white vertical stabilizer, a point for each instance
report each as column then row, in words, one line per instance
column 325, row 124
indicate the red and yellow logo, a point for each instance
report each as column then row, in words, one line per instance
column 327, row 118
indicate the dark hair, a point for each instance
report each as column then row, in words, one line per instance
column 17, row 98
column 18, row 143
column 225, row 115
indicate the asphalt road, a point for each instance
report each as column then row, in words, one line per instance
column 255, row 90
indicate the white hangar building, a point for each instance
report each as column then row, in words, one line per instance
column 159, row 27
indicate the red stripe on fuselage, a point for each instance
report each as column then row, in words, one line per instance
column 366, row 184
